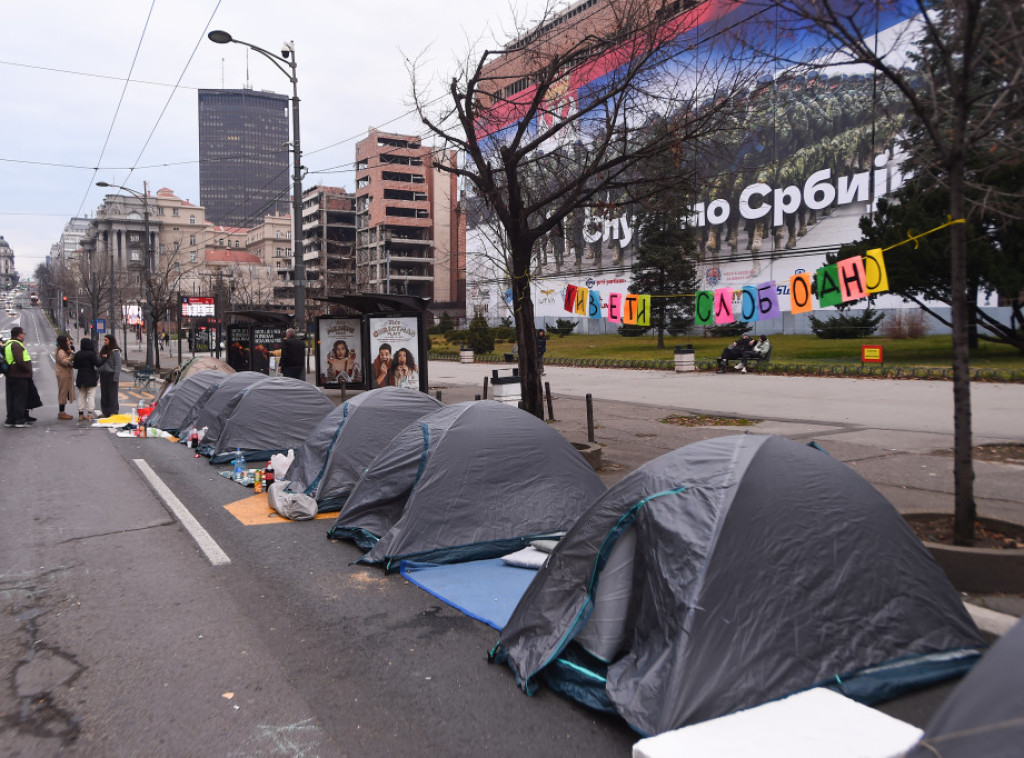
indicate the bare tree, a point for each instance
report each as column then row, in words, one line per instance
column 569, row 113
column 964, row 88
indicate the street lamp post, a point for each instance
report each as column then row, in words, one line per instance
column 148, row 253
column 287, row 57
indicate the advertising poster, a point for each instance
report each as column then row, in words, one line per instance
column 265, row 340
column 202, row 341
column 394, row 348
column 239, row 347
column 340, row 353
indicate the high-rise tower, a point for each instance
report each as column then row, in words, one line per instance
column 243, row 155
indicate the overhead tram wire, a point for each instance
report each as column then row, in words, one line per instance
column 184, row 69
column 117, row 110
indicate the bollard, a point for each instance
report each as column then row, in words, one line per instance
column 551, row 409
column 476, row 397
column 438, row 396
column 590, row 418
column 485, row 388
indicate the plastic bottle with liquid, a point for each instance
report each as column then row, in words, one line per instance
column 239, row 465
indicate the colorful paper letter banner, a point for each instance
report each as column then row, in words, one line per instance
column 842, row 282
column 704, row 308
column 570, row 298
column 875, row 277
column 800, row 293
column 723, row 306
column 643, row 312
column 828, row 286
column 615, row 307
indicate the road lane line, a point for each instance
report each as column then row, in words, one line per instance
column 206, row 543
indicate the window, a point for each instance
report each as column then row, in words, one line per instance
column 236, row 243
column 193, row 256
column 192, row 239
column 192, row 219
column 174, row 211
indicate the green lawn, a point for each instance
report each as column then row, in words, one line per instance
column 926, row 352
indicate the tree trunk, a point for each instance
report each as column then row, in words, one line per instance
column 965, row 510
column 526, row 332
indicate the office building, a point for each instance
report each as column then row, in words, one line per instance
column 243, row 155
column 411, row 232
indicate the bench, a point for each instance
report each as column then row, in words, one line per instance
column 752, row 360
column 143, row 378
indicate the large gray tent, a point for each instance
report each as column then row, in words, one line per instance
column 179, row 399
column 473, row 480
column 985, row 714
column 346, row 441
column 219, row 405
column 271, row 416
column 732, row 572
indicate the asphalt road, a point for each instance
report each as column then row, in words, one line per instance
column 118, row 637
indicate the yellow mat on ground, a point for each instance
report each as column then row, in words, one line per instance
column 255, row 511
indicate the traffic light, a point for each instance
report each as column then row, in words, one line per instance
column 65, row 300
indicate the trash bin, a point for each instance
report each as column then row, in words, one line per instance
column 466, row 354
column 507, row 389
column 684, row 358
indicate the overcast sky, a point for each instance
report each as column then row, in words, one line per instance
column 64, row 64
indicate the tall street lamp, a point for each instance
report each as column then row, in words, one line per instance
column 148, row 252
column 287, row 57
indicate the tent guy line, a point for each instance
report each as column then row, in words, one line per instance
column 213, row 552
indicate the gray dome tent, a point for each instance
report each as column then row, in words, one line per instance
column 473, row 480
column 984, row 716
column 219, row 405
column 189, row 419
column 179, row 399
column 346, row 441
column 759, row 567
column 270, row 417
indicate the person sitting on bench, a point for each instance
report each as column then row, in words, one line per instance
column 758, row 352
column 734, row 352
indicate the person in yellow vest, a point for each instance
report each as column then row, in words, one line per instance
column 19, row 380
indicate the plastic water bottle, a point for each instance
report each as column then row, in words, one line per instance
column 239, row 465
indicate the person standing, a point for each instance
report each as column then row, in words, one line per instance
column 542, row 347
column 63, row 361
column 19, row 380
column 110, row 375
column 85, row 363
column 293, row 356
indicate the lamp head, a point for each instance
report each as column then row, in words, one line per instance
column 219, row 36
column 103, row 184
column 287, row 48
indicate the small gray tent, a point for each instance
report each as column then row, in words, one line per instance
column 189, row 419
column 336, row 454
column 731, row 572
column 473, row 480
column 179, row 400
column 984, row 716
column 271, row 416
column 219, row 405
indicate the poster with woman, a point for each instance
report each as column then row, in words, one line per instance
column 394, row 345
column 339, row 353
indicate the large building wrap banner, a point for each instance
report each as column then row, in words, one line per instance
column 805, row 157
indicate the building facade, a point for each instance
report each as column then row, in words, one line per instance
column 8, row 275
column 410, row 236
column 329, row 243
column 243, row 155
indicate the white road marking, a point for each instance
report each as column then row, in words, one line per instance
column 206, row 543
